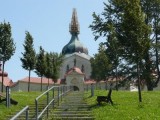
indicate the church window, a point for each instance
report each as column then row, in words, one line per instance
column 67, row 68
column 82, row 68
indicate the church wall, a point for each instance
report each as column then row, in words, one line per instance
column 79, row 62
column 76, row 80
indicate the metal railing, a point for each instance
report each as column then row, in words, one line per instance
column 25, row 109
column 50, row 95
column 61, row 91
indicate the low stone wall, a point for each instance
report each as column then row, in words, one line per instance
column 23, row 86
column 103, row 86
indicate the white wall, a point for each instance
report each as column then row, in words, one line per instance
column 79, row 62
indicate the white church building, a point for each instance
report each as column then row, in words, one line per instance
column 76, row 66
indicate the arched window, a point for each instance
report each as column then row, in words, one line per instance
column 82, row 68
column 67, row 68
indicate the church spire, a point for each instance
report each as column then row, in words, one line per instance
column 74, row 25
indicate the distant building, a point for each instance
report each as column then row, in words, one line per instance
column 35, row 84
column 6, row 80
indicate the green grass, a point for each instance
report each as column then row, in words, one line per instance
column 23, row 98
column 126, row 106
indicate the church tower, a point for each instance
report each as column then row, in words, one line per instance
column 76, row 54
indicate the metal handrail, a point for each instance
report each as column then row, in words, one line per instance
column 60, row 94
column 20, row 112
column 46, row 92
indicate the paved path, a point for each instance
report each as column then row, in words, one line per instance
column 73, row 107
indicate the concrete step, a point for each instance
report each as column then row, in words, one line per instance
column 71, row 115
column 73, row 118
column 72, row 112
column 75, row 109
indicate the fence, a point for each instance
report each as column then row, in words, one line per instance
column 49, row 98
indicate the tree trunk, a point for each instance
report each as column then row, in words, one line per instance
column 41, row 83
column 116, row 79
column 139, row 87
column 48, row 82
column 29, row 80
column 148, row 71
column 2, row 76
column 157, row 58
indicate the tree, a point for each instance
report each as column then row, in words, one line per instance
column 7, row 45
column 113, row 51
column 48, row 71
column 134, row 31
column 29, row 56
column 131, row 31
column 152, row 11
column 53, row 64
column 106, row 26
column 100, row 65
column 57, row 60
column 40, row 64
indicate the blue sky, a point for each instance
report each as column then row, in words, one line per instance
column 48, row 23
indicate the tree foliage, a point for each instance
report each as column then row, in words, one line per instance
column 53, row 64
column 100, row 65
column 7, row 44
column 40, row 67
column 29, row 55
column 124, row 25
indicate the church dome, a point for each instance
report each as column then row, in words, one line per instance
column 74, row 44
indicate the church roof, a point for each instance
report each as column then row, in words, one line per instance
column 74, row 69
column 74, row 44
column 6, row 80
column 37, row 80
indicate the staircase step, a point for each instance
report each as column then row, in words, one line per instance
column 73, row 112
column 73, row 107
column 73, row 118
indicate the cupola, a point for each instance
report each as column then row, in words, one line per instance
column 74, row 44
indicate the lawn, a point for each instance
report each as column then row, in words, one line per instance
column 23, row 98
column 126, row 106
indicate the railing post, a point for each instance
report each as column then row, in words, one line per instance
column 58, row 95
column 53, row 98
column 61, row 92
column 47, row 103
column 36, row 103
column 27, row 113
column 7, row 96
column 92, row 90
column 65, row 90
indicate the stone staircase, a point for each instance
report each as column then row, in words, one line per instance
column 73, row 107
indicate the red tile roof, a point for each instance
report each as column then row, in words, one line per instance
column 37, row 80
column 74, row 69
column 6, row 80
column 89, row 81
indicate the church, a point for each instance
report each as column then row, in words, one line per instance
column 76, row 67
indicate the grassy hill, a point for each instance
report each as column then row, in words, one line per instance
column 126, row 106
column 23, row 98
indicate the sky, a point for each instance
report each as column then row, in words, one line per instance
column 48, row 23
